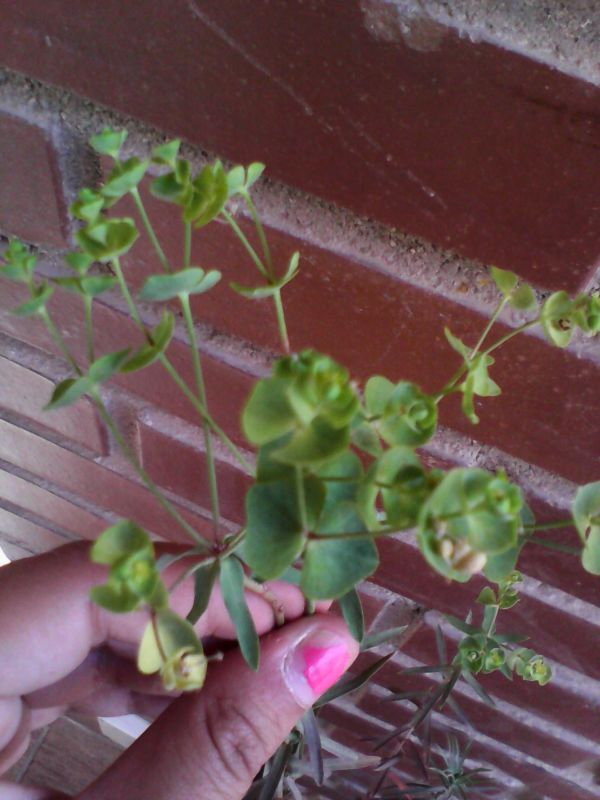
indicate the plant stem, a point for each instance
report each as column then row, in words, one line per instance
column 212, row 473
column 187, row 244
column 562, row 548
column 283, row 334
column 147, row 480
column 488, row 327
column 176, row 377
column 547, row 526
column 247, row 246
column 150, row 230
column 60, row 342
column 89, row 328
column 261, row 234
column 450, row 386
column 301, row 498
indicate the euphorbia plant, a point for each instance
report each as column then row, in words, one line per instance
column 337, row 463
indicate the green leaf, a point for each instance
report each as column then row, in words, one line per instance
column 107, row 238
column 193, row 280
column 274, row 537
column 378, row 391
column 504, row 280
column 210, row 193
column 350, row 683
column 462, row 626
column 253, row 173
column 88, row 205
column 109, row 142
column 97, row 284
column 148, row 353
column 167, row 153
column 124, row 178
column 500, row 565
column 487, row 597
column 41, row 295
column 176, row 636
column 556, row 318
column 267, row 414
column 523, row 298
column 378, row 638
column 332, row 567
column 590, row 557
column 315, row 444
column 409, row 416
column 364, row 437
column 104, row 367
column 236, row 179
column 456, row 344
column 586, row 513
column 115, row 597
column 79, row 261
column 167, row 187
column 352, row 612
column 204, row 580
column 232, row 589
column 260, row 292
column 119, row 541
column 68, row 392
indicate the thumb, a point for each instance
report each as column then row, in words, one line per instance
column 212, row 744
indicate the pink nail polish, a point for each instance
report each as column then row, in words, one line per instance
column 315, row 665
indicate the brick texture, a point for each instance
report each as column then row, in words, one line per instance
column 32, row 205
column 467, row 144
column 479, row 149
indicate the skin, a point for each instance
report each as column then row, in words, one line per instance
column 59, row 651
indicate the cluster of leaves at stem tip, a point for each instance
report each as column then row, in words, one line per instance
column 337, row 463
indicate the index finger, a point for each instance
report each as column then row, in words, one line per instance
column 48, row 624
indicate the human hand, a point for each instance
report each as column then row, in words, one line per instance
column 59, row 651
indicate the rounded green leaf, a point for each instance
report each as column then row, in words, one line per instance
column 523, row 298
column 148, row 353
column 107, row 239
column 504, row 280
column 124, row 178
column 586, row 513
column 109, row 142
column 41, row 295
column 267, row 414
column 317, row 443
column 167, row 153
column 105, row 367
column 120, row 541
column 332, row 568
column 115, row 597
column 193, row 280
column 557, row 318
column 378, row 391
column 409, row 416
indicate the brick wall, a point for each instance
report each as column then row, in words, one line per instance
column 404, row 151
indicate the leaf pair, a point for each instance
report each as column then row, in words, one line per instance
column 586, row 513
column 404, row 414
column 276, row 534
column 192, row 280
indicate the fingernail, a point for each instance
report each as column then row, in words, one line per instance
column 315, row 664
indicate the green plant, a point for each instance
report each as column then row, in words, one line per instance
column 337, row 465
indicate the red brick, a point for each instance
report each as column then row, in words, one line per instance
column 20, row 536
column 375, row 323
column 57, row 511
column 90, row 481
column 24, row 392
column 464, row 143
column 32, row 205
column 190, row 477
